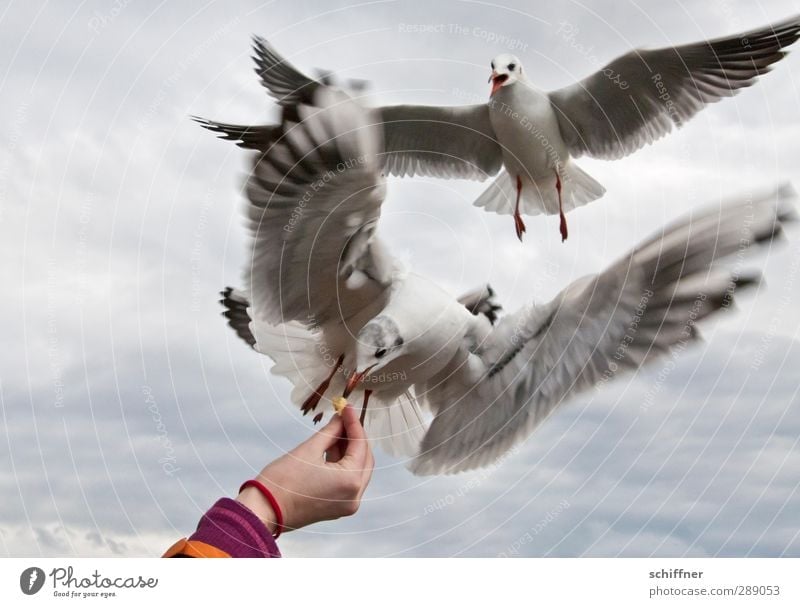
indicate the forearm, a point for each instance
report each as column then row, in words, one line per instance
column 228, row 529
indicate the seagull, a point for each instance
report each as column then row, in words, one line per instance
column 530, row 136
column 339, row 315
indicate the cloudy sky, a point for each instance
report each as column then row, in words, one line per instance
column 127, row 405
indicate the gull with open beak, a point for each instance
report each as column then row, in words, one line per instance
column 337, row 313
column 529, row 137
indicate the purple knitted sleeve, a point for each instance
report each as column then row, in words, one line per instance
column 233, row 528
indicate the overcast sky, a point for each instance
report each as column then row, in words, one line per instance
column 128, row 407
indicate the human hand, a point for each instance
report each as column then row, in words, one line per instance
column 321, row 479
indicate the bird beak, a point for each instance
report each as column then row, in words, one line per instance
column 497, row 81
column 355, row 379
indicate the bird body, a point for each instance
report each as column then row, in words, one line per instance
column 537, row 165
column 527, row 129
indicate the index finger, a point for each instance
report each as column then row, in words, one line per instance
column 357, row 446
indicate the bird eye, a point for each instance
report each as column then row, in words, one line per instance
column 492, row 64
column 511, row 66
column 380, row 352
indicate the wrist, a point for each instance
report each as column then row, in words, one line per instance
column 252, row 498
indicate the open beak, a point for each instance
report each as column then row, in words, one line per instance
column 497, row 81
column 355, row 379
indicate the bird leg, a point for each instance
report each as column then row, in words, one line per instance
column 563, row 223
column 312, row 401
column 367, row 394
column 519, row 225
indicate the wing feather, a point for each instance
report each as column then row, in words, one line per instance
column 288, row 85
column 314, row 200
column 439, row 141
column 642, row 95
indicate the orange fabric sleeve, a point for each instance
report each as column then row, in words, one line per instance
column 195, row 549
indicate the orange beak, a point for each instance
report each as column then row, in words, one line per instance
column 355, row 379
column 497, row 81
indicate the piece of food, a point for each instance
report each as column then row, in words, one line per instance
column 339, row 403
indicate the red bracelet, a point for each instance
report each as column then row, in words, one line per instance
column 272, row 502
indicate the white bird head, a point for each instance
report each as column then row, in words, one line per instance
column 506, row 70
column 379, row 343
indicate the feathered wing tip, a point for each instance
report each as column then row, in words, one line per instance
column 254, row 137
column 482, row 301
column 236, row 304
column 284, row 81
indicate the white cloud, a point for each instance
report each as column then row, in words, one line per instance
column 120, row 223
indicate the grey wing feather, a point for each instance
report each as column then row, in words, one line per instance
column 236, row 304
column 255, row 137
column 285, row 82
column 641, row 96
column 439, row 141
column 314, row 201
column 641, row 307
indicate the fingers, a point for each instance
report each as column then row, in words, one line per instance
column 327, row 436
column 357, row 447
column 352, row 426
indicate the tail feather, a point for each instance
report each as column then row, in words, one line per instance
column 541, row 197
column 396, row 425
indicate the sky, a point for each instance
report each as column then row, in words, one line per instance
column 128, row 406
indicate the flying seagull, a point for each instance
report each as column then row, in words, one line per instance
column 340, row 316
column 531, row 136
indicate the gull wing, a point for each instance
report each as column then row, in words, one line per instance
column 598, row 327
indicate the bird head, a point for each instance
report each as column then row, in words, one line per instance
column 506, row 70
column 379, row 343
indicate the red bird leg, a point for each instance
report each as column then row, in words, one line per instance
column 367, row 394
column 312, row 401
column 563, row 223
column 519, row 225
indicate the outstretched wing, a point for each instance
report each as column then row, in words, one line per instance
column 314, row 201
column 599, row 326
column 432, row 141
column 440, row 141
column 639, row 97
